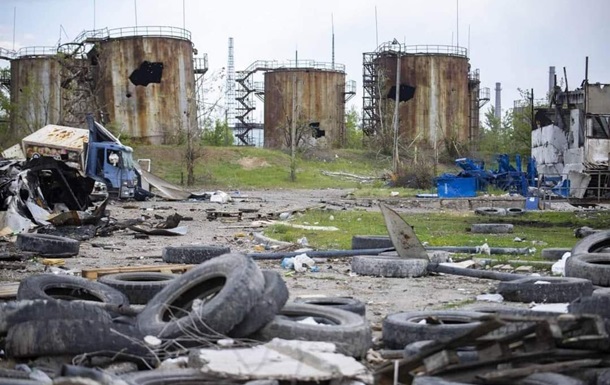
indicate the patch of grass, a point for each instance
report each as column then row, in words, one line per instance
column 537, row 230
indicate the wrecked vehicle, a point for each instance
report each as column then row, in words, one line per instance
column 96, row 152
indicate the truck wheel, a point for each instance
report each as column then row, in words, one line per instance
column 554, row 253
column 491, row 228
column 490, row 211
column 66, row 287
column 593, row 243
column 47, row 245
column 138, row 287
column 192, row 254
column 592, row 266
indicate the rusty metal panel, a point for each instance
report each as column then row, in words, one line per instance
column 440, row 106
column 158, row 111
column 320, row 99
column 35, row 93
column 598, row 99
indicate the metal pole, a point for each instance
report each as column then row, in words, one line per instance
column 395, row 160
column 14, row 25
column 94, row 15
column 183, row 14
column 135, row 11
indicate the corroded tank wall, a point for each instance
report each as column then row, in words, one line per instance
column 320, row 99
column 35, row 91
column 156, row 112
column 440, row 107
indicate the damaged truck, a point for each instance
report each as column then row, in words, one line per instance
column 95, row 152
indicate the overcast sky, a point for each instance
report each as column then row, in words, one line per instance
column 511, row 41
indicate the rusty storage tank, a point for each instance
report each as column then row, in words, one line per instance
column 35, row 89
column 318, row 89
column 435, row 96
column 146, row 81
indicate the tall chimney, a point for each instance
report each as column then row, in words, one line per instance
column 551, row 79
column 498, row 108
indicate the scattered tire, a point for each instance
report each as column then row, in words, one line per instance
column 348, row 331
column 216, row 295
column 386, row 266
column 547, row 378
column 554, row 253
column 417, row 347
column 70, row 337
column 491, row 228
column 514, row 211
column 535, row 289
column 47, row 245
column 490, row 211
column 401, row 329
column 138, row 287
column 15, row 312
column 427, row 380
column 66, row 287
column 592, row 266
column 593, row 243
column 344, row 303
column 273, row 299
column 192, row 254
column 602, row 291
column 360, row 242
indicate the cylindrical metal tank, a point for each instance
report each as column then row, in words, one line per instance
column 146, row 82
column 35, row 89
column 318, row 91
column 440, row 105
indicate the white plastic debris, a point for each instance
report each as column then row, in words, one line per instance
column 331, row 218
column 152, row 341
column 484, row 249
column 302, row 263
column 303, row 241
column 490, row 297
column 220, row 197
column 551, row 307
column 517, row 239
column 542, row 283
column 224, row 342
column 284, row 216
column 394, row 193
column 308, row 321
column 558, row 267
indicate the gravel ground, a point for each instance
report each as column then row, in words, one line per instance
column 382, row 295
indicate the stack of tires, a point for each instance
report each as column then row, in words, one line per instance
column 225, row 296
column 590, row 259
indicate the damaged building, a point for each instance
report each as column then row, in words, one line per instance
column 571, row 141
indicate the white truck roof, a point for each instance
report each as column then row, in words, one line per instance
column 52, row 135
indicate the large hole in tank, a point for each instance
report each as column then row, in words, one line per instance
column 406, row 93
column 316, row 131
column 146, row 73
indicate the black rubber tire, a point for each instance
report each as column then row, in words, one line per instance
column 514, row 211
column 18, row 381
column 401, row 329
column 273, row 299
column 66, row 287
column 349, row 332
column 602, row 291
column 138, row 287
column 15, row 312
column 70, row 337
column 360, row 242
column 172, row 377
column 386, row 266
column 560, row 289
column 6, row 374
column 192, row 254
column 344, row 303
column 547, row 378
column 491, row 228
column 554, row 253
column 490, row 211
column 417, row 346
column 47, row 245
column 592, row 266
column 593, row 243
column 235, row 282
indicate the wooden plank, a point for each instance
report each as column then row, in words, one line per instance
column 98, row 272
column 8, row 290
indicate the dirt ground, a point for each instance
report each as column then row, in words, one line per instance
column 382, row 295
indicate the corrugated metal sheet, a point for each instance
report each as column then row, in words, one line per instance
column 35, row 93
column 440, row 106
column 320, row 98
column 52, row 135
column 156, row 112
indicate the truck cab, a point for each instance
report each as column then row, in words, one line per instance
column 112, row 164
